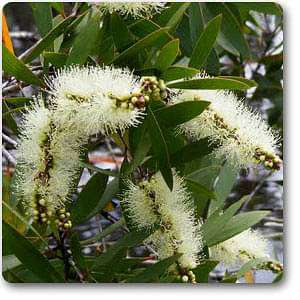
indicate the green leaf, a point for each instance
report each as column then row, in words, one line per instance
column 9, row 262
column 212, row 65
column 270, row 8
column 56, row 59
column 89, row 198
column 230, row 27
column 192, row 151
column 178, row 72
column 196, row 21
column 18, row 101
column 171, row 16
column 29, row 255
column 226, row 180
column 173, row 115
column 160, row 148
column 215, row 83
column 217, row 220
column 58, row 6
column 229, row 279
column 150, row 40
column 43, row 16
column 46, row 41
column 120, row 33
column 152, row 273
column 200, row 189
column 84, row 42
column 205, row 43
column 203, row 270
column 238, row 224
column 15, row 219
column 167, row 55
column 131, row 239
column 250, row 83
column 13, row 66
column 110, row 191
column 278, row 278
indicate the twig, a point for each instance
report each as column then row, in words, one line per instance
column 98, row 221
column 9, row 157
column 23, row 35
column 9, row 140
column 65, row 254
column 257, row 188
column 127, row 154
column 105, row 232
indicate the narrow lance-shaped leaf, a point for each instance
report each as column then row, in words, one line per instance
column 215, row 83
column 58, row 6
column 56, row 59
column 120, row 33
column 192, row 151
column 263, row 7
column 110, row 191
column 238, row 224
column 171, row 116
column 160, row 148
column 89, row 198
column 153, row 272
column 217, row 220
column 13, row 66
column 42, row 44
column 43, row 16
column 172, row 16
column 149, row 40
column 203, row 270
column 84, row 42
column 205, row 43
column 224, row 184
column 29, row 255
column 178, row 72
column 129, row 240
column 230, row 27
column 167, row 55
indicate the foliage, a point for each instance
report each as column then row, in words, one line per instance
column 174, row 44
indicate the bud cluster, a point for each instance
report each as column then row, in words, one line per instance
column 63, row 219
column 41, row 211
column 134, row 100
column 188, row 277
column 155, row 89
column 269, row 160
column 273, row 266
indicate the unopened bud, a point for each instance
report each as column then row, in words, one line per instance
column 262, row 158
column 124, row 105
column 42, row 202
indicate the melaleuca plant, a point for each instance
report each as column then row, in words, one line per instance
column 143, row 80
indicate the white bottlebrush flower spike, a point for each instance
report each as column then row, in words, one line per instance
column 87, row 97
column 48, row 159
column 30, row 155
column 134, row 9
column 151, row 202
column 241, row 248
column 242, row 135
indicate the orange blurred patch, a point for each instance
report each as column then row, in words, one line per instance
column 5, row 36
